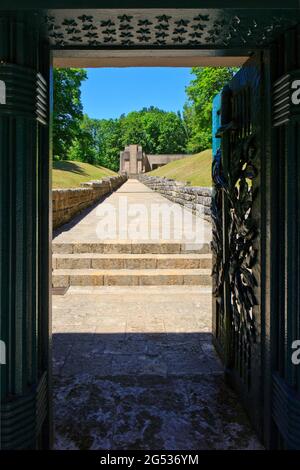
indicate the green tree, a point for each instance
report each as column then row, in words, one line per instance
column 172, row 137
column 83, row 146
column 208, row 82
column 156, row 130
column 108, row 142
column 99, row 141
column 67, row 113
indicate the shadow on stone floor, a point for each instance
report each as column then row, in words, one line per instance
column 144, row 391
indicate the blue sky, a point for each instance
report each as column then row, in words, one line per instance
column 109, row 92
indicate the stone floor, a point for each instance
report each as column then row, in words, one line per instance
column 135, row 210
column 134, row 368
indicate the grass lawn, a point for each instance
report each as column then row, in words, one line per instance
column 67, row 174
column 196, row 169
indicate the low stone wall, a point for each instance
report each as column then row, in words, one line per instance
column 195, row 198
column 69, row 202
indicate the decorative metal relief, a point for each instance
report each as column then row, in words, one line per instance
column 237, row 216
column 217, row 231
column 186, row 28
column 242, row 235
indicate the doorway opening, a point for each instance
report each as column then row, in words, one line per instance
column 134, row 364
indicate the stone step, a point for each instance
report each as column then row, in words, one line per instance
column 131, row 261
column 134, row 247
column 130, row 277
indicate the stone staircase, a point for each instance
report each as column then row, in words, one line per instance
column 130, row 263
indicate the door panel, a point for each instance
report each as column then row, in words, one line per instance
column 25, row 234
column 285, row 217
column 236, row 213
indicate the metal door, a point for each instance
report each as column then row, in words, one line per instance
column 236, row 216
column 285, row 252
column 25, row 234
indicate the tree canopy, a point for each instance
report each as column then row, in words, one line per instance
column 208, row 82
column 99, row 141
column 156, row 130
column 67, row 112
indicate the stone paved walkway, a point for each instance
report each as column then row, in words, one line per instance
column 134, row 366
column 132, row 204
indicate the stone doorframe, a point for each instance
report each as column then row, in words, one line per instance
column 26, row 60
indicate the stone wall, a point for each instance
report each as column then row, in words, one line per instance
column 133, row 160
column 195, row 198
column 156, row 161
column 69, row 202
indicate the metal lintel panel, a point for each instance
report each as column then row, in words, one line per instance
column 72, row 4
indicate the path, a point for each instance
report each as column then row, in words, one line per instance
column 134, row 366
column 131, row 195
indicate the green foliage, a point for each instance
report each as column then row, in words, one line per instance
column 156, row 130
column 108, row 142
column 67, row 113
column 99, row 141
column 83, row 145
column 208, row 82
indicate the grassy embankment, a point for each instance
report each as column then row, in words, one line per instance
column 196, row 169
column 67, row 174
